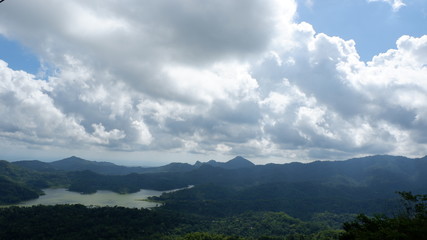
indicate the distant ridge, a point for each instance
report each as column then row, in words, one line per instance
column 77, row 163
column 74, row 163
column 358, row 171
column 35, row 165
column 235, row 163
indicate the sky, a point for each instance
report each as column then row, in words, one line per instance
column 140, row 82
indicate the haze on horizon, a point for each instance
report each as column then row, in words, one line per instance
column 139, row 81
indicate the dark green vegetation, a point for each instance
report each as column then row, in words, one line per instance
column 19, row 184
column 233, row 200
column 80, row 222
column 410, row 224
column 299, row 200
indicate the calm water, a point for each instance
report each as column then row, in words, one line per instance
column 100, row 198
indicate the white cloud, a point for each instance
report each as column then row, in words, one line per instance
column 143, row 133
column 395, row 4
column 222, row 148
column 29, row 113
column 105, row 136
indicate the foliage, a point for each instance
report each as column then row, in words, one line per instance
column 207, row 236
column 300, row 200
column 89, row 182
column 12, row 192
column 410, row 224
column 80, row 222
column 260, row 225
column 18, row 184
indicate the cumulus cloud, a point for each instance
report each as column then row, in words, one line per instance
column 29, row 114
column 327, row 102
column 204, row 77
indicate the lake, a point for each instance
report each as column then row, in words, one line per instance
column 100, row 198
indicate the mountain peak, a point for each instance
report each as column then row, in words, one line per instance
column 239, row 158
column 235, row 163
column 73, row 158
column 239, row 162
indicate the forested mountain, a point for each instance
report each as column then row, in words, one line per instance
column 78, row 164
column 19, row 184
column 378, row 175
column 359, row 171
column 35, row 165
column 235, row 163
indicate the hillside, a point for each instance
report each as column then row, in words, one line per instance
column 19, row 184
column 235, row 163
column 35, row 165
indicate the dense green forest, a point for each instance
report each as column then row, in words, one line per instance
column 19, row 184
column 301, row 200
column 81, row 222
column 409, row 224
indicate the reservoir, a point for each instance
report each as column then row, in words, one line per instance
column 100, row 198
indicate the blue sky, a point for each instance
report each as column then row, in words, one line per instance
column 373, row 25
column 18, row 56
column 179, row 81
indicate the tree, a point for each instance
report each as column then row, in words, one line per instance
column 410, row 224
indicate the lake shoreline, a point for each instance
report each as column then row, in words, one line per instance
column 101, row 198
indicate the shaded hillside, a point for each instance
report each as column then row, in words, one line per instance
column 90, row 182
column 31, row 178
column 301, row 200
column 19, row 184
column 380, row 170
column 14, row 192
column 35, row 165
column 78, row 164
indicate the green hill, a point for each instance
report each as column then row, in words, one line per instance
column 20, row 184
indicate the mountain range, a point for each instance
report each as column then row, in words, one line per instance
column 340, row 183
column 78, row 164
